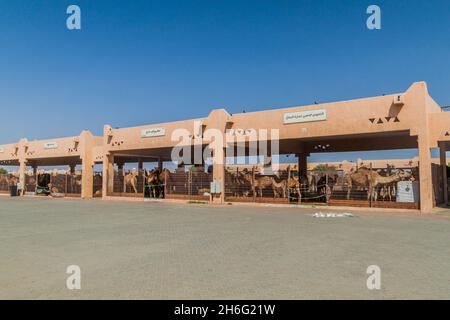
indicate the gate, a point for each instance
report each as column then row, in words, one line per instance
column 65, row 184
column 73, row 185
column 389, row 188
column 5, row 180
column 30, row 183
column 193, row 184
column 97, row 184
column 129, row 183
column 252, row 186
column 327, row 187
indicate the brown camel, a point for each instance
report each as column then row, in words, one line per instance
column 154, row 179
column 130, row 179
column 387, row 182
column 368, row 178
column 259, row 183
column 360, row 177
column 280, row 185
column 242, row 182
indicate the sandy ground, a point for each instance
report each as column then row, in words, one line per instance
column 190, row 251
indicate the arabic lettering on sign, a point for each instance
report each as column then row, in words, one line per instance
column 305, row 116
column 50, row 145
column 153, row 132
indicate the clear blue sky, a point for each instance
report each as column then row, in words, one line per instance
column 138, row 62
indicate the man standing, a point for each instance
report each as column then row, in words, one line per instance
column 19, row 188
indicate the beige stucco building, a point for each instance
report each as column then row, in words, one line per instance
column 410, row 119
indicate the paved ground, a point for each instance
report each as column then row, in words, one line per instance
column 154, row 250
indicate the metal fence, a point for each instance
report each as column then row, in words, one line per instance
column 30, row 183
column 97, row 184
column 285, row 186
column 367, row 187
column 193, row 184
column 128, row 183
column 331, row 187
column 249, row 186
column 5, row 182
column 65, row 184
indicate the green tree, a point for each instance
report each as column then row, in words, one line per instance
column 325, row 169
column 3, row 171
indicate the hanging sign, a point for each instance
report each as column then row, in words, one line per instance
column 51, row 145
column 407, row 191
column 153, row 132
column 305, row 116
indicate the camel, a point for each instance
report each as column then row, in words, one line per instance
column 388, row 191
column 371, row 179
column 360, row 177
column 260, row 183
column 241, row 182
column 280, row 185
column 157, row 179
column 98, row 183
column 77, row 179
column 286, row 185
column 325, row 187
column 6, row 182
column 297, row 183
column 313, row 181
column 387, row 182
column 130, row 179
column 154, row 180
column 294, row 183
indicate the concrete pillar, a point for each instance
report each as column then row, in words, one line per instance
column 86, row 144
column 302, row 164
column 217, row 123
column 443, row 158
column 21, row 155
column 425, row 175
column 35, row 177
column 87, row 180
column 121, row 172
column 108, row 175
column 140, row 168
column 219, row 173
column 22, row 169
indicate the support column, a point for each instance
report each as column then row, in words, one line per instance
column 72, row 169
column 140, row 164
column 160, row 164
column 87, row 180
column 425, row 175
column 108, row 175
column 219, row 174
column 121, row 172
column 21, row 155
column 443, row 158
column 302, row 164
column 22, row 169
column 86, row 144
column 35, row 177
